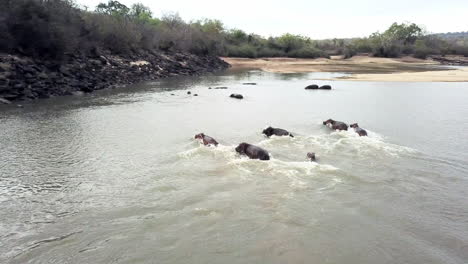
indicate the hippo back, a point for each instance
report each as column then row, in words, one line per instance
column 255, row 152
column 340, row 126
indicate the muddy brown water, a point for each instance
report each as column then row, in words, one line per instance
column 116, row 176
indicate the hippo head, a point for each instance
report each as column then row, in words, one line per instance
column 199, row 136
column 329, row 121
column 355, row 125
column 268, row 131
column 241, row 148
column 311, row 156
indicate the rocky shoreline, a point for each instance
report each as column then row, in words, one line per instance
column 451, row 60
column 23, row 78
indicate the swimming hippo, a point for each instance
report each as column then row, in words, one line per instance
column 336, row 125
column 252, row 151
column 361, row 132
column 311, row 156
column 237, row 96
column 312, row 87
column 207, row 140
column 325, row 87
column 270, row 131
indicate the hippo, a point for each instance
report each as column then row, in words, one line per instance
column 311, row 156
column 195, row 94
column 336, row 125
column 252, row 151
column 249, row 83
column 189, row 92
column 270, row 131
column 361, row 132
column 221, row 88
column 237, row 96
column 207, row 140
column 312, row 87
column 325, row 87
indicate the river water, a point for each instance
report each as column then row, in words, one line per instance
column 116, row 176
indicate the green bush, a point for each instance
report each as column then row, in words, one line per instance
column 55, row 28
column 242, row 51
column 421, row 50
column 349, row 51
column 307, row 52
column 269, row 52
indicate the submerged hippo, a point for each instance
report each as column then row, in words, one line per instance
column 270, row 131
column 336, row 125
column 311, row 156
column 325, row 87
column 207, row 140
column 361, row 132
column 312, row 87
column 252, row 151
column 237, row 96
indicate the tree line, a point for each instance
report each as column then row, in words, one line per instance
column 56, row 28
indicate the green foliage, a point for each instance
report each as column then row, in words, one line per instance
column 421, row 50
column 266, row 52
column 408, row 33
column 54, row 28
column 307, row 52
column 34, row 28
column 289, row 42
column 113, row 8
column 242, row 51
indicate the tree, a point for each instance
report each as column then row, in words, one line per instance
column 408, row 33
column 140, row 12
column 290, row 42
column 114, row 8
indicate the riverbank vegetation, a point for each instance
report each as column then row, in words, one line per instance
column 55, row 28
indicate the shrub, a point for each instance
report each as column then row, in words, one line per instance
column 242, row 51
column 349, row 51
column 269, row 52
column 307, row 52
column 421, row 50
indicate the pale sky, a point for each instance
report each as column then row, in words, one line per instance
column 316, row 19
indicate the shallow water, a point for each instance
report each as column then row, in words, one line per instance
column 116, row 176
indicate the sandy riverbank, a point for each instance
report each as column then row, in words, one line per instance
column 360, row 68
